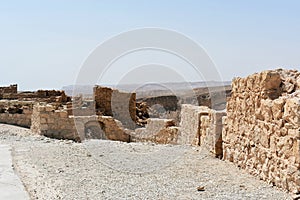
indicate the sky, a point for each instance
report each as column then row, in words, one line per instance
column 45, row 43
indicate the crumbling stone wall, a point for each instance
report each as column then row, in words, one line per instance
column 56, row 123
column 100, row 127
column 120, row 105
column 160, row 131
column 16, row 112
column 81, row 107
column 49, row 96
column 202, row 126
column 262, row 128
column 12, row 89
column 48, row 121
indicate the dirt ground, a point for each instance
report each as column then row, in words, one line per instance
column 57, row 169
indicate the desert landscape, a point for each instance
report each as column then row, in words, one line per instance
column 223, row 141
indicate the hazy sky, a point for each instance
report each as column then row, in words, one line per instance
column 44, row 43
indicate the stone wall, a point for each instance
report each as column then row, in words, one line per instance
column 262, row 128
column 190, row 123
column 160, row 131
column 48, row 121
column 100, row 127
column 16, row 112
column 56, row 123
column 211, row 132
column 12, row 89
column 201, row 126
column 49, row 96
column 120, row 105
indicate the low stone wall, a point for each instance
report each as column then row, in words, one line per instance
column 262, row 129
column 201, row 126
column 54, row 123
column 49, row 96
column 100, row 127
column 12, row 89
column 160, row 131
column 16, row 112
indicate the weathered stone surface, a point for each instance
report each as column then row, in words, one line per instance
column 261, row 130
column 113, row 129
column 120, row 105
column 48, row 121
column 49, row 96
column 202, row 126
column 190, row 123
column 12, row 89
column 16, row 112
column 161, row 131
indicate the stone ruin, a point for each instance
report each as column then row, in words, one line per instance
column 120, row 105
column 17, row 107
column 258, row 131
column 262, row 129
column 12, row 89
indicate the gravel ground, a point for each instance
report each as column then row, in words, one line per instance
column 56, row 169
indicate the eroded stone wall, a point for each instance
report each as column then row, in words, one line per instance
column 50, row 122
column 16, row 112
column 261, row 130
column 49, row 96
column 120, row 105
column 12, row 89
column 56, row 123
column 160, row 131
column 201, row 126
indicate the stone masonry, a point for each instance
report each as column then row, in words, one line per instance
column 16, row 112
column 160, row 131
column 190, row 123
column 12, row 89
column 57, row 123
column 201, row 126
column 120, row 105
column 54, row 123
column 261, row 132
column 262, row 129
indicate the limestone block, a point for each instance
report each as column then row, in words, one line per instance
column 41, row 108
column 294, row 133
column 270, row 80
column 266, row 109
column 167, row 136
column 277, row 108
column 292, row 111
column 63, row 114
column 49, row 108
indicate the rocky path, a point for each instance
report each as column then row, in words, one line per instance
column 54, row 169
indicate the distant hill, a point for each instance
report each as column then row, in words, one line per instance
column 152, row 89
